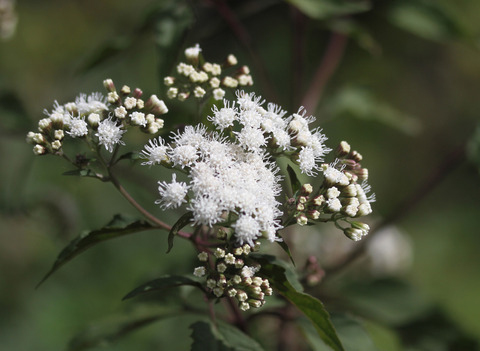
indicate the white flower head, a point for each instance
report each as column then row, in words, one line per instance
column 109, row 134
column 155, row 152
column 172, row 194
column 224, row 117
column 94, row 102
column 78, row 127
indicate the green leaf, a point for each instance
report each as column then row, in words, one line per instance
column 182, row 222
column 129, row 156
column 165, row 282
column 350, row 330
column 110, row 330
column 294, row 181
column 220, row 337
column 324, row 9
column 81, row 173
column 360, row 103
column 118, row 226
column 426, row 19
column 358, row 33
column 285, row 248
column 309, row 305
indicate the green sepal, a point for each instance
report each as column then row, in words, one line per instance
column 294, row 181
column 165, row 282
column 118, row 226
column 182, row 222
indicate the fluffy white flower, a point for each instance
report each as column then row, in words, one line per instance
column 224, row 117
column 94, row 102
column 78, row 127
column 172, row 194
column 109, row 134
column 155, row 152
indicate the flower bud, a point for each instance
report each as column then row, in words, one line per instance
column 343, row 149
column 156, row 106
column 307, row 189
column 108, row 84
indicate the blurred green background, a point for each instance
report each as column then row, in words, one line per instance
column 404, row 93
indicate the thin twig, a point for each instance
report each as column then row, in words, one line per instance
column 142, row 210
column 450, row 163
column 326, row 68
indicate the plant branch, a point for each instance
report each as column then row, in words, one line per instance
column 326, row 68
column 142, row 210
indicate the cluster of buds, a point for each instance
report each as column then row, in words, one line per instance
column 340, row 197
column 230, row 272
column 201, row 79
column 129, row 106
column 102, row 120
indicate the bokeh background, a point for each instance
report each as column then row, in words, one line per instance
column 400, row 81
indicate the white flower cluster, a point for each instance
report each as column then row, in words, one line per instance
column 203, row 78
column 101, row 119
column 233, row 180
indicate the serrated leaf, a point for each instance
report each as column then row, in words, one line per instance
column 220, row 337
column 323, row 9
column 294, row 181
column 165, row 282
column 182, row 222
column 119, row 226
column 309, row 305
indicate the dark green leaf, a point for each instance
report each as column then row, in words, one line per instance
column 182, row 222
column 310, row 306
column 285, row 248
column 81, row 173
column 165, row 282
column 324, row 9
column 294, row 182
column 220, row 337
column 119, row 226
column 350, row 330
column 426, row 19
column 129, row 156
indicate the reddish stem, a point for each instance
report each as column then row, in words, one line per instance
column 326, row 68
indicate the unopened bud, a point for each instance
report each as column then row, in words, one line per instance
column 354, row 155
column 108, row 84
column 343, row 149
column 156, row 105
column 125, row 90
